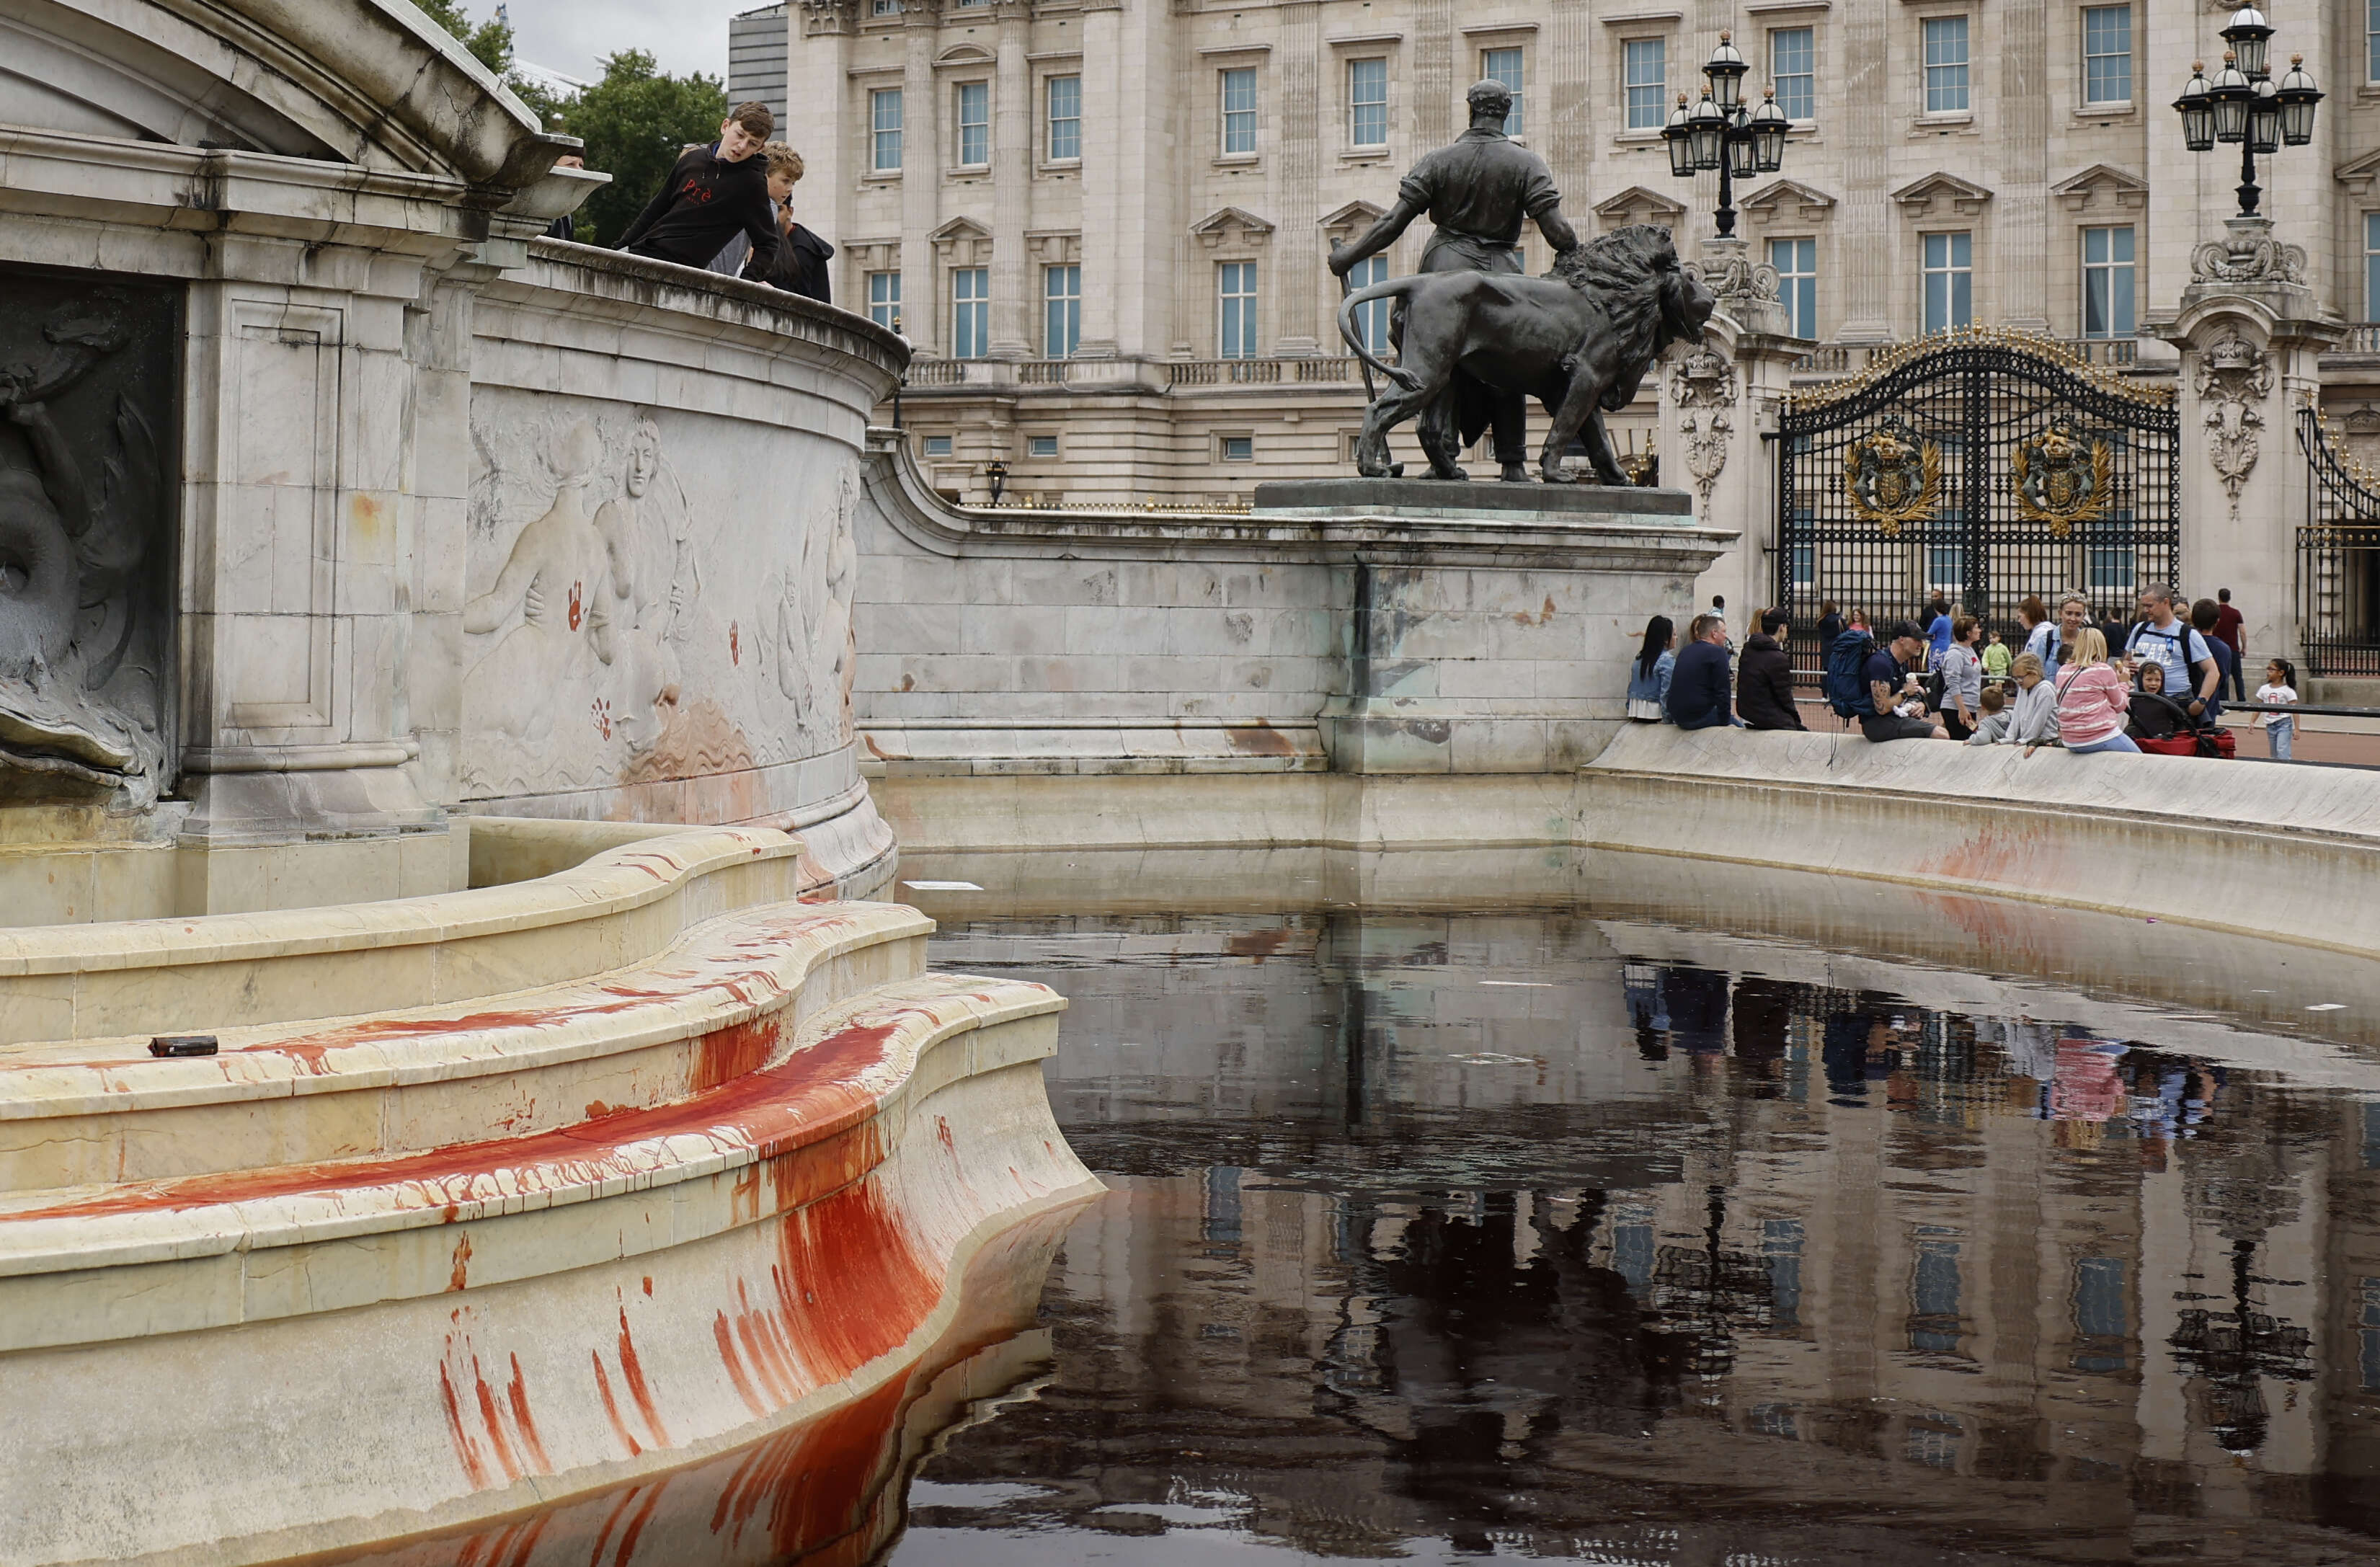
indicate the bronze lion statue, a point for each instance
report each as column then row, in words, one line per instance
column 1579, row 340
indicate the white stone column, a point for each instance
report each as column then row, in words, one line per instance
column 1719, row 398
column 2251, row 340
column 1014, row 294
column 1874, row 114
column 1296, row 256
column 922, row 307
column 2019, row 224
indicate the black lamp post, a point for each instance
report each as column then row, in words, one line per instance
column 1720, row 134
column 2242, row 104
column 996, row 472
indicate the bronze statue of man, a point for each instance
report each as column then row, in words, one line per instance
column 1478, row 192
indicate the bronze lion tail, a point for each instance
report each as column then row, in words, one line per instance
column 1395, row 289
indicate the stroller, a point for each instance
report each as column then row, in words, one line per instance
column 2191, row 737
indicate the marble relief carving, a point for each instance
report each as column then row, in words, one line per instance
column 86, row 385
column 2234, row 378
column 1704, row 384
column 659, row 603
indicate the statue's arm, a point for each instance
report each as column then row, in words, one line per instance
column 1557, row 229
column 1380, row 237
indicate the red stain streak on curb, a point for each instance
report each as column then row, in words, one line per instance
column 460, row 1278
column 516, row 1392
column 633, row 1372
column 804, row 1100
column 611, row 1406
column 475, row 1470
column 726, row 1338
column 738, row 1050
column 495, row 1422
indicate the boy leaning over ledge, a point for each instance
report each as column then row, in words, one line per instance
column 712, row 195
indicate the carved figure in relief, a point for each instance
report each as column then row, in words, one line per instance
column 810, row 640
column 1703, row 382
column 557, row 576
column 71, row 553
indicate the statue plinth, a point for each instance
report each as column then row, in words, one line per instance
column 1438, row 499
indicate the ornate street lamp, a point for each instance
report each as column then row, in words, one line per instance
column 996, row 472
column 2197, row 110
column 1720, row 135
column 2244, row 105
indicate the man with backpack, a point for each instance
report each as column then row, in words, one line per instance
column 2163, row 638
column 1864, row 681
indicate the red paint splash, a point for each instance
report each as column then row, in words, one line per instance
column 493, row 1422
column 633, row 1372
column 611, row 1406
column 460, row 1278
column 517, row 1391
column 577, row 604
column 735, row 644
column 738, row 1050
column 475, row 1469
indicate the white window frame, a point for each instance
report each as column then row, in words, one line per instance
column 1778, row 75
column 970, row 308
column 1052, row 119
column 1953, row 91
column 884, row 299
column 1950, row 270
column 2109, row 268
column 1034, row 442
column 1237, row 284
column 1356, row 107
column 1492, row 60
column 960, row 98
column 878, row 130
column 1062, row 310
column 2092, row 96
column 1788, row 294
column 1224, row 448
column 1231, row 121
column 939, row 446
column 1630, row 86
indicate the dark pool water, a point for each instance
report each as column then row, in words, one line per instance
column 1440, row 1239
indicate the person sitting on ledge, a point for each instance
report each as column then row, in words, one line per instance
column 1887, row 671
column 713, row 194
column 1648, row 678
column 1992, row 727
column 2034, row 719
column 2092, row 701
column 1764, row 678
column 1698, row 695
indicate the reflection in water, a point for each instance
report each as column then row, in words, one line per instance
column 1436, row 1239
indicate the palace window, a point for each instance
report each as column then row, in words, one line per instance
column 1239, row 112
column 1061, row 310
column 1065, row 101
column 1794, row 66
column 970, row 312
column 1796, row 262
column 938, row 445
column 1042, row 446
column 884, row 129
column 1239, row 448
column 1946, row 65
column 2107, row 55
column 1504, row 65
column 1368, row 102
column 2372, row 266
column 975, row 125
column 2372, row 39
column 1372, row 316
column 1644, row 65
column 1235, row 293
column 1949, row 280
column 885, row 7
column 884, row 299
column 2107, row 282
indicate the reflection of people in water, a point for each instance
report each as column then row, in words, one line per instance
column 555, row 576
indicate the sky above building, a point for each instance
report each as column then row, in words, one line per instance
column 572, row 36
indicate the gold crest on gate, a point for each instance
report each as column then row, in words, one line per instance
column 2061, row 480
column 1893, row 478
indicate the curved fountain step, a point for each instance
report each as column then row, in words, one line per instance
column 181, row 976
column 366, row 1348
column 700, row 1013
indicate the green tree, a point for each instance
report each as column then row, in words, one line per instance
column 491, row 43
column 635, row 122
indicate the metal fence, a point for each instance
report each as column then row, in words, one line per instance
column 1981, row 464
column 2338, row 559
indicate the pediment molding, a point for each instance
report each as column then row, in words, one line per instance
column 2357, row 174
column 1804, row 202
column 2103, row 186
column 1941, row 189
column 1234, row 226
column 1639, row 205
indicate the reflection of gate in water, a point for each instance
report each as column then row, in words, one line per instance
column 2338, row 559
column 1981, row 464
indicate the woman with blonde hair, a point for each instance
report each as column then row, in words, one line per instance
column 2093, row 700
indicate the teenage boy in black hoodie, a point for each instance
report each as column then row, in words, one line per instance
column 713, row 194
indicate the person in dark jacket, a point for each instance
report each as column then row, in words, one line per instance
column 713, row 194
column 1698, row 698
column 1764, row 678
column 801, row 263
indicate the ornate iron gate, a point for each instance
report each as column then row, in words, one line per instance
column 2338, row 559
column 1982, row 464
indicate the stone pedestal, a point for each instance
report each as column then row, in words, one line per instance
column 1719, row 400
column 2251, row 333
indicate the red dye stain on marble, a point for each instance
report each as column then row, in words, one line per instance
column 811, row 1485
column 735, row 644
column 850, row 1283
column 632, row 1371
column 577, row 604
column 629, row 1515
column 475, row 1468
column 737, row 1050
column 517, row 1394
column 460, row 1278
column 611, row 1406
column 724, row 1336
column 495, row 1422
column 648, row 1278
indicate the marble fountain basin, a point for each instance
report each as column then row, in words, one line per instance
column 486, row 1199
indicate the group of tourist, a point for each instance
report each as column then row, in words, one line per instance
column 728, row 207
column 2158, row 686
